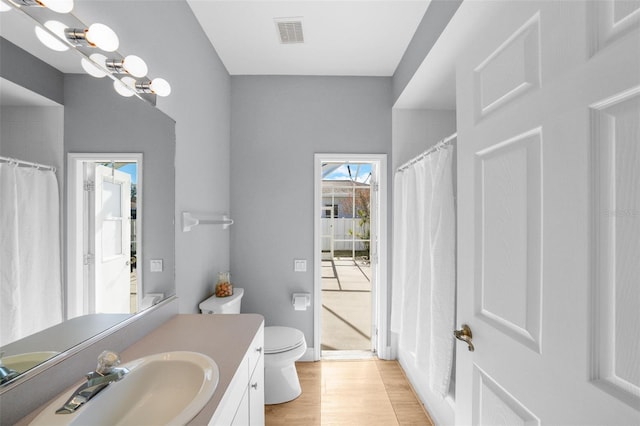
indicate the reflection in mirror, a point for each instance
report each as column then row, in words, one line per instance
column 30, row 248
column 105, row 197
column 46, row 133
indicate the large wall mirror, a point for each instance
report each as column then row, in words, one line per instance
column 66, row 127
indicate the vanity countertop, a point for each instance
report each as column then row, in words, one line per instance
column 225, row 338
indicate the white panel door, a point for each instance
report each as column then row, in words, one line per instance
column 548, row 114
column 374, row 255
column 112, row 240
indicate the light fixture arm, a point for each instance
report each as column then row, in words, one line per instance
column 144, row 87
column 77, row 37
column 55, row 5
column 116, row 66
column 27, row 3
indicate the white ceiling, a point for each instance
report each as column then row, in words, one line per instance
column 347, row 38
column 357, row 37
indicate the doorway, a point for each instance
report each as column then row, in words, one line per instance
column 104, row 229
column 350, row 254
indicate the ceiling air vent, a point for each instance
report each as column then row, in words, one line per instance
column 289, row 30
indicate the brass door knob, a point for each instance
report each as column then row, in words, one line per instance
column 465, row 335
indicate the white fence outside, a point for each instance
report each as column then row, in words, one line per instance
column 336, row 231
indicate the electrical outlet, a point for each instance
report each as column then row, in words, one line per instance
column 300, row 265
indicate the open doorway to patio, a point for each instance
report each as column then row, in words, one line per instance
column 350, row 286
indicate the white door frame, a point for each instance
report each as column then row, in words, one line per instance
column 379, row 294
column 76, row 292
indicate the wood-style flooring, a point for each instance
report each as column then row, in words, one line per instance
column 362, row 392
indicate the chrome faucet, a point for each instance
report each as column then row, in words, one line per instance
column 6, row 373
column 105, row 374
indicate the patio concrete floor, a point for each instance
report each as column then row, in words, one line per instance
column 346, row 305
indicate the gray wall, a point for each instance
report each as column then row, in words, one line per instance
column 201, row 106
column 277, row 124
column 97, row 119
column 26, row 70
column 34, row 133
column 416, row 130
column 435, row 19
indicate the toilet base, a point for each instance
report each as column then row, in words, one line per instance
column 281, row 384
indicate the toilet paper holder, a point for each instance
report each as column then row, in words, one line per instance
column 301, row 301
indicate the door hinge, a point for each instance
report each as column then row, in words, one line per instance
column 88, row 259
column 89, row 185
column 375, row 187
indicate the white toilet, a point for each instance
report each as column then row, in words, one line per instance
column 283, row 346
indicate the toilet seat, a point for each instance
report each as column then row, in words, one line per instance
column 282, row 339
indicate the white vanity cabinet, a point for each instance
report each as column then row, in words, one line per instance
column 243, row 402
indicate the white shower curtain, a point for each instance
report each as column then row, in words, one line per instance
column 30, row 281
column 423, row 297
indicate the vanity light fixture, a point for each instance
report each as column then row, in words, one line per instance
column 158, row 86
column 131, row 64
column 97, row 65
column 97, row 35
column 60, row 6
column 53, row 42
column 90, row 67
column 125, row 86
column 60, row 37
column 128, row 86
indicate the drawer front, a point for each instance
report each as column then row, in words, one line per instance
column 232, row 398
column 256, row 395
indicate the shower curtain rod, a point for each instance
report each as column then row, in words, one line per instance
column 436, row 147
column 27, row 163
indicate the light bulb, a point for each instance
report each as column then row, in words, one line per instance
column 52, row 42
column 91, row 68
column 60, row 6
column 135, row 66
column 4, row 7
column 103, row 37
column 160, row 87
column 125, row 87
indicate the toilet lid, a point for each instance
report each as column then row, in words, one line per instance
column 281, row 339
column 214, row 303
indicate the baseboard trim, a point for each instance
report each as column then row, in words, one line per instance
column 308, row 356
column 388, row 354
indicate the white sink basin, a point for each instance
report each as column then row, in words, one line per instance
column 163, row 389
column 24, row 362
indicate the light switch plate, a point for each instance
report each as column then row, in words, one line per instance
column 299, row 265
column 155, row 265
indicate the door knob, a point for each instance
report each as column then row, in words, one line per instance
column 465, row 335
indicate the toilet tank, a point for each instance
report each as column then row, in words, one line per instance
column 223, row 305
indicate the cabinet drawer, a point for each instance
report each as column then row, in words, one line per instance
column 256, row 395
column 232, row 398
